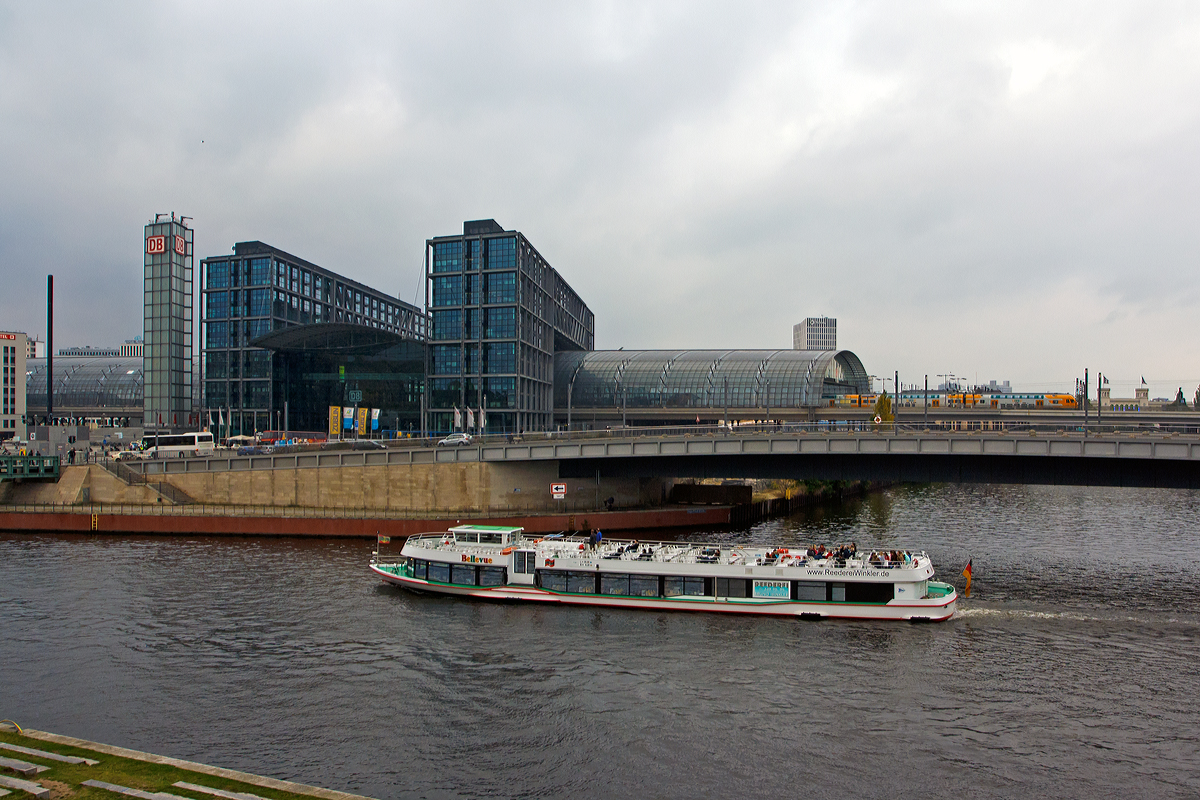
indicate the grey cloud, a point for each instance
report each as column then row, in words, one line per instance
column 704, row 175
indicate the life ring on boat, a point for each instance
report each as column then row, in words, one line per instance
column 506, row 551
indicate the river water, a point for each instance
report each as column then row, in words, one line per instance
column 1072, row 671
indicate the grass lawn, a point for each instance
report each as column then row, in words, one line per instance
column 64, row 780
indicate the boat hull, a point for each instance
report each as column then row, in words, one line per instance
column 925, row 610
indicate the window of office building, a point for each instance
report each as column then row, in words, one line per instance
column 446, row 359
column 501, row 323
column 500, row 357
column 218, row 275
column 218, row 305
column 502, row 287
column 500, row 393
column 447, row 325
column 447, row 257
column 217, row 334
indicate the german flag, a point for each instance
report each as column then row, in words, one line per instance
column 967, row 574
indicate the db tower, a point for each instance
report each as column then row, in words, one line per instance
column 167, row 355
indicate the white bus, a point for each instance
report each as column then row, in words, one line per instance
column 177, row 445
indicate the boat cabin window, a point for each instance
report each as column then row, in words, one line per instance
column 870, row 592
column 466, row 537
column 837, row 592
column 439, row 572
column 463, row 574
column 491, row 538
column 523, row 561
column 809, row 591
column 493, row 576
column 629, row 585
column 418, row 567
column 581, row 582
column 676, row 587
column 731, row 587
column 552, row 581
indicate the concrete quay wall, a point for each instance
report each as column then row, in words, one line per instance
column 178, row 521
column 494, row 488
column 433, row 490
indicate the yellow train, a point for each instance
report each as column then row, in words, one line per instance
column 998, row 400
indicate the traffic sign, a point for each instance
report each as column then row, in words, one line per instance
column 558, row 491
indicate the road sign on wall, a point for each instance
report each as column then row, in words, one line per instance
column 558, row 491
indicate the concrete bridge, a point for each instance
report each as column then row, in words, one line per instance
column 1093, row 457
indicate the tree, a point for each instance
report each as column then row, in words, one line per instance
column 883, row 407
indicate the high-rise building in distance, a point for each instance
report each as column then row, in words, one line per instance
column 815, row 333
column 13, row 349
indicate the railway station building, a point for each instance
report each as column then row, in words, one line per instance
column 499, row 315
column 504, row 345
column 610, row 388
column 254, row 374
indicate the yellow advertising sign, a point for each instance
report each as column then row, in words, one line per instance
column 335, row 420
column 362, row 421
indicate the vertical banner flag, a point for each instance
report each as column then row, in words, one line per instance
column 967, row 574
column 374, row 419
column 482, row 419
column 335, row 417
column 457, row 418
column 470, row 418
column 347, row 418
column 362, row 421
column 221, row 417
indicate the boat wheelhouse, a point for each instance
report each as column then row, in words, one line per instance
column 508, row 564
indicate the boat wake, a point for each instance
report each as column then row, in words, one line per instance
column 1070, row 616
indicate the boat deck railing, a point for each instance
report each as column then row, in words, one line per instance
column 577, row 545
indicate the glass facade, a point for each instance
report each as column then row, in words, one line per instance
column 261, row 289
column 498, row 313
column 168, row 324
column 705, row 379
column 109, row 391
column 328, row 366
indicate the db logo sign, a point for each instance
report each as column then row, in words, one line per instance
column 156, row 244
column 180, row 246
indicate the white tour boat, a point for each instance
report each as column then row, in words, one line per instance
column 508, row 564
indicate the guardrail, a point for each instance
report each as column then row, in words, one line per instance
column 300, row 512
column 29, row 467
column 812, row 438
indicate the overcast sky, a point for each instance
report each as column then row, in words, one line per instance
column 1004, row 191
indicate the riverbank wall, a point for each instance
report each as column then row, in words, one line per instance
column 267, row 521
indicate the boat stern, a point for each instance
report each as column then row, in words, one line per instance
column 938, row 605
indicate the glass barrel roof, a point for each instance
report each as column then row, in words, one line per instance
column 705, row 378
column 97, row 384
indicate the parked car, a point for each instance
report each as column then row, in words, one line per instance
column 455, row 440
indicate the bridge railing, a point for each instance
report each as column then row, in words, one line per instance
column 13, row 467
column 134, row 471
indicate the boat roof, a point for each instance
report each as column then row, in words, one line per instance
column 485, row 528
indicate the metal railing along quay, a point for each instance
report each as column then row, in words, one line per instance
column 13, row 467
column 1015, row 438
